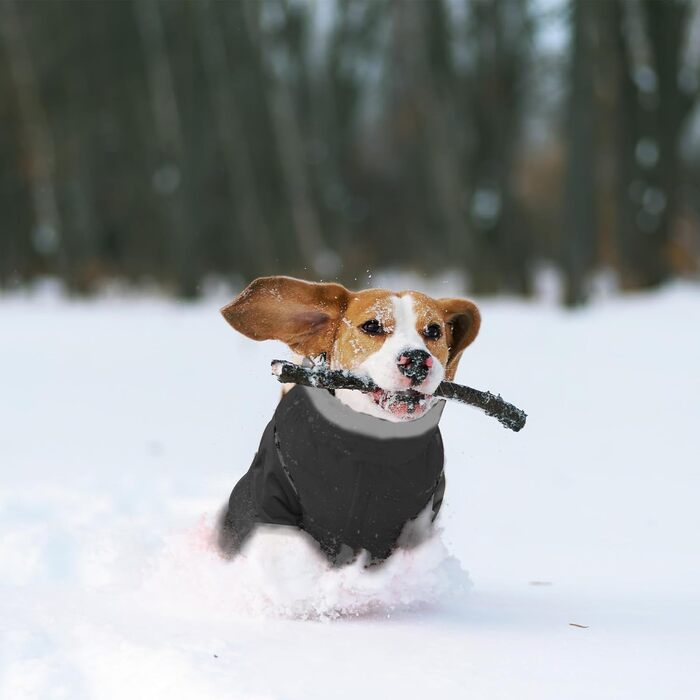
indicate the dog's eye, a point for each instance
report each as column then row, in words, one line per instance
column 432, row 331
column 372, row 327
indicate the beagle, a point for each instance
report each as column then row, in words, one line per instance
column 350, row 469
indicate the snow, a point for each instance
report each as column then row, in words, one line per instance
column 125, row 423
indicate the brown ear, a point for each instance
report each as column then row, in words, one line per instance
column 462, row 321
column 304, row 315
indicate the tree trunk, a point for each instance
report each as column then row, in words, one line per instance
column 652, row 113
column 666, row 23
column 251, row 224
column 502, row 250
column 38, row 142
column 170, row 174
column 579, row 232
column 292, row 158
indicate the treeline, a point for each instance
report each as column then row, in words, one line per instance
column 170, row 140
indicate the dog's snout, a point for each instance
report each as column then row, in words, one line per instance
column 415, row 364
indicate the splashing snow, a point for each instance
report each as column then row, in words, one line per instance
column 282, row 573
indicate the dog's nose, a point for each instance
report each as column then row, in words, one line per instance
column 415, row 364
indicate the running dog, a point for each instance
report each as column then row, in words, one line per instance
column 353, row 470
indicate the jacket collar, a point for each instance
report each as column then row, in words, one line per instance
column 344, row 417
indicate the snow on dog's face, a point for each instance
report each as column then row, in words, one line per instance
column 406, row 342
column 402, row 342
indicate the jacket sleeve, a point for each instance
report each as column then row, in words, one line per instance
column 275, row 497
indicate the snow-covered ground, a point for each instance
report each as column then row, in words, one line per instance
column 124, row 425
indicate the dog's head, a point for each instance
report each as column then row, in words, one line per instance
column 405, row 341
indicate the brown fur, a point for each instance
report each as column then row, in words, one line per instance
column 312, row 318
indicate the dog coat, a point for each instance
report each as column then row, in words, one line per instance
column 350, row 480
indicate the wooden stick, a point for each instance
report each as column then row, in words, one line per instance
column 321, row 377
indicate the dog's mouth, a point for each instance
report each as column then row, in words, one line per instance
column 406, row 404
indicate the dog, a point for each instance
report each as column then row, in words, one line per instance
column 353, row 470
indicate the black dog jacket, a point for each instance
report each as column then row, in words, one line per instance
column 350, row 480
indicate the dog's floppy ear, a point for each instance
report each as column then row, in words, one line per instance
column 462, row 321
column 304, row 315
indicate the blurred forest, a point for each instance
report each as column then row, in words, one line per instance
column 172, row 141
